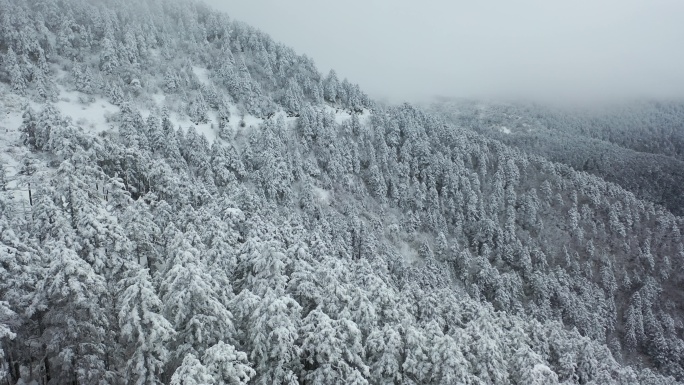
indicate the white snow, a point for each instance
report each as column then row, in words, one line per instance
column 159, row 99
column 505, row 129
column 90, row 116
column 287, row 119
column 251, row 121
column 93, row 114
column 202, row 74
column 364, row 118
column 409, row 253
column 23, row 382
column 183, row 121
column 322, row 195
column 11, row 150
column 203, row 128
column 342, row 115
column 206, row 130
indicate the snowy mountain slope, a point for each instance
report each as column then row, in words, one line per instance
column 209, row 208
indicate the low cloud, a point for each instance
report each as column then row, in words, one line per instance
column 406, row 50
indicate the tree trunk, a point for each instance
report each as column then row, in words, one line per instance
column 46, row 365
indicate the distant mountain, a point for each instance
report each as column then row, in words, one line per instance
column 185, row 201
column 638, row 145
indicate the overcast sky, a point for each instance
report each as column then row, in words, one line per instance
column 411, row 50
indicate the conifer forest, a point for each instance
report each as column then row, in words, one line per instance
column 185, row 201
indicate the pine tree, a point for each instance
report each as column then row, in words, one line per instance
column 83, row 79
column 13, row 71
column 5, row 334
column 271, row 325
column 529, row 368
column 191, row 372
column 170, row 82
column 3, row 178
column 384, row 348
column 331, row 86
column 417, row 366
column 223, row 116
column 197, row 110
column 144, row 330
column 192, row 301
column 109, row 59
column 293, row 98
column 228, row 366
column 449, row 366
column 222, row 365
column 332, row 350
column 74, row 324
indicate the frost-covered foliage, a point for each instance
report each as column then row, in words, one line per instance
column 325, row 240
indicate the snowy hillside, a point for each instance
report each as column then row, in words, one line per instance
column 185, row 201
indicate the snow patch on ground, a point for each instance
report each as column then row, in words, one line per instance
column 207, row 129
column 505, row 129
column 288, row 119
column 159, row 99
column 91, row 116
column 10, row 123
column 202, row 74
column 342, row 115
column 409, row 253
column 250, row 121
column 364, row 118
column 210, row 129
column 322, row 195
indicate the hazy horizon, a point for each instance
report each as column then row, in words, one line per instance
column 533, row 49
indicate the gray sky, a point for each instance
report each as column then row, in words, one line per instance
column 410, row 50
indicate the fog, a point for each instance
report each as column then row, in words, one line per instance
column 408, row 50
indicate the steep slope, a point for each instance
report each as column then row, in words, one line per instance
column 318, row 238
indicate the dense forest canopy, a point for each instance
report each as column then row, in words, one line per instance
column 185, row 201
